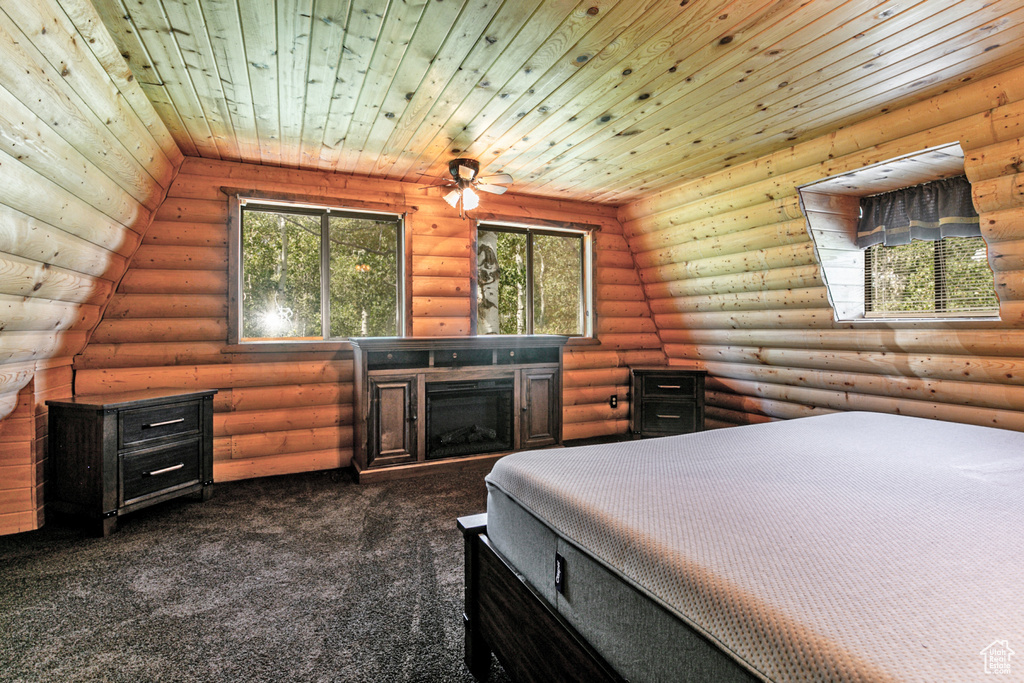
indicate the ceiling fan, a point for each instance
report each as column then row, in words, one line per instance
column 467, row 182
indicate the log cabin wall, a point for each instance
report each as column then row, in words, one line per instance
column 291, row 411
column 735, row 288
column 84, row 163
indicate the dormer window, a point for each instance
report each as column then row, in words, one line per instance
column 901, row 240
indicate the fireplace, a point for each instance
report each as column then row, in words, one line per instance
column 433, row 403
column 469, row 417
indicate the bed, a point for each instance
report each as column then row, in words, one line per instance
column 844, row 547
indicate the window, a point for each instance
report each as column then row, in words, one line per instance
column 901, row 240
column 533, row 280
column 924, row 253
column 318, row 273
column 947, row 276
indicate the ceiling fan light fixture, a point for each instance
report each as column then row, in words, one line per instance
column 470, row 199
column 453, row 198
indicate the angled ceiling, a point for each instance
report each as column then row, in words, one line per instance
column 601, row 100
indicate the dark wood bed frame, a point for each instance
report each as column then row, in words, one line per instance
column 505, row 615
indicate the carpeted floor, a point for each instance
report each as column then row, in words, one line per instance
column 297, row 578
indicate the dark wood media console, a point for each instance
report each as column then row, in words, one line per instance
column 451, row 401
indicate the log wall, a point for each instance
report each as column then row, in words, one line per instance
column 291, row 410
column 84, row 163
column 735, row 286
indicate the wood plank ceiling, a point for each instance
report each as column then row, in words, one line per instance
column 600, row 100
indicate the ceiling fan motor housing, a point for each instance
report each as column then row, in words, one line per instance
column 455, row 164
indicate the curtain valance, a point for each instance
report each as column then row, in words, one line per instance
column 940, row 208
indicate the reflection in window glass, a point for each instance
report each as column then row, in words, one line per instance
column 285, row 275
column 280, row 275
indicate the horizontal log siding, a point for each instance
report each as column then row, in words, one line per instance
column 292, row 411
column 735, row 287
column 84, row 163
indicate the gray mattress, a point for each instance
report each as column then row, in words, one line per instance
column 846, row 547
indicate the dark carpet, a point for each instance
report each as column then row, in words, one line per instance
column 296, row 578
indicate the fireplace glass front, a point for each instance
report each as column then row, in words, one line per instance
column 468, row 417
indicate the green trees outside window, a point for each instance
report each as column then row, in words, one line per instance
column 319, row 273
column 950, row 275
column 530, row 281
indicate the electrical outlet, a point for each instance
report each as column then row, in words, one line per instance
column 613, row 401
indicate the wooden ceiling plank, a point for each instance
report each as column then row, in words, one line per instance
column 680, row 103
column 728, row 144
column 26, row 190
column 434, row 27
column 191, row 34
column 535, row 45
column 164, row 106
column 88, row 23
column 598, row 112
column 491, row 44
column 54, row 38
column 399, row 37
column 903, row 52
column 294, row 33
column 926, row 62
column 30, row 238
column 586, row 86
column 460, row 41
column 39, row 147
column 115, row 18
column 148, row 22
column 365, row 23
column 224, row 34
column 828, row 80
column 330, row 17
column 259, row 38
column 916, row 96
column 35, row 83
column 1009, row 57
column 675, row 97
column 618, row 30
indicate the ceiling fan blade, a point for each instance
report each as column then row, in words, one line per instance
column 497, row 179
column 492, row 189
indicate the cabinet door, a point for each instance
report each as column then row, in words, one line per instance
column 393, row 420
column 541, row 419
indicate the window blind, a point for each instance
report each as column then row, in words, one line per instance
column 949, row 276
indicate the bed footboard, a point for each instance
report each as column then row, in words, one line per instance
column 506, row 615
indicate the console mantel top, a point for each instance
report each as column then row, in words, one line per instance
column 491, row 341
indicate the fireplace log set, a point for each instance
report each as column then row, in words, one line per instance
column 471, row 434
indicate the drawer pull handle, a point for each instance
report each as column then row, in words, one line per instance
column 163, row 424
column 669, row 386
column 165, row 470
column 668, row 417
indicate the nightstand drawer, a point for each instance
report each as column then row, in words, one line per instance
column 669, row 417
column 159, row 469
column 670, row 385
column 139, row 425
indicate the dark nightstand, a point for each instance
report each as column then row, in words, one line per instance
column 113, row 454
column 665, row 401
